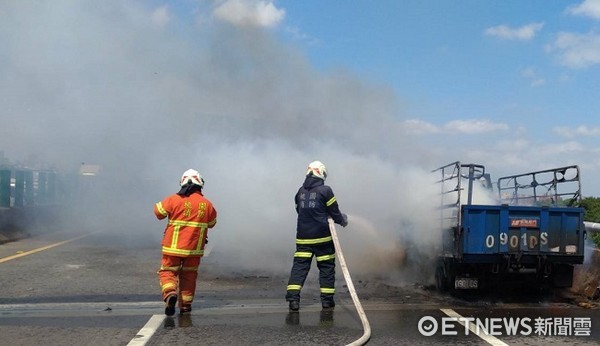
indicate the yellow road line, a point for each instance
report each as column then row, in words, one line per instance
column 6, row 259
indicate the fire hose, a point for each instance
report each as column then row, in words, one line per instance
column 361, row 313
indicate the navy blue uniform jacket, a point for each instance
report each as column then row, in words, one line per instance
column 315, row 202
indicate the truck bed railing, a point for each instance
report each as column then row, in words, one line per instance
column 450, row 188
column 552, row 187
column 452, row 177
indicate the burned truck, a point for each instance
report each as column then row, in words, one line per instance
column 528, row 231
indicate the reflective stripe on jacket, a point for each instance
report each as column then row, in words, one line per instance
column 189, row 219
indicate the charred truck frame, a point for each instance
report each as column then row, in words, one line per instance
column 533, row 233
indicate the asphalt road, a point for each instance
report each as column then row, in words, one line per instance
column 62, row 289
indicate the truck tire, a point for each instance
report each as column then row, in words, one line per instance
column 441, row 279
column 562, row 275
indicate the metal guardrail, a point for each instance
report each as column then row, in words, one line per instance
column 19, row 188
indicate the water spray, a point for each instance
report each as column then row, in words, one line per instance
column 361, row 313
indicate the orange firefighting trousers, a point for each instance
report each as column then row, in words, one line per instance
column 178, row 275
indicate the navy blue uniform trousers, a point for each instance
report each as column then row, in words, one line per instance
column 325, row 256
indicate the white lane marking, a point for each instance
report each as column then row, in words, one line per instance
column 492, row 340
column 144, row 335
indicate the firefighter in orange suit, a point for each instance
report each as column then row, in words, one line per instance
column 190, row 215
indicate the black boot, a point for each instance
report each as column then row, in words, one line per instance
column 328, row 304
column 171, row 302
column 186, row 309
column 294, row 305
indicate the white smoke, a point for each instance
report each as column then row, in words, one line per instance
column 148, row 97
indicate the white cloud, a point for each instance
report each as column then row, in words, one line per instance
column 556, row 149
column 474, row 126
column 577, row 50
column 524, row 33
column 462, row 127
column 513, row 145
column 249, row 13
column 534, row 79
column 571, row 132
column 588, row 8
column 564, row 78
column 200, row 19
column 298, row 35
column 537, row 82
column 416, row 126
column 161, row 16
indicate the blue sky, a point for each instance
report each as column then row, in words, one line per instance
column 461, row 59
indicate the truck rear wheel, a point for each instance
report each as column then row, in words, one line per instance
column 441, row 279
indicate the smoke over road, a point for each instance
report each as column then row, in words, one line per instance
column 147, row 96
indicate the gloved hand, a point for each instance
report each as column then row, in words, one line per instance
column 345, row 221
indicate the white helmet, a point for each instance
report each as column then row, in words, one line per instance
column 318, row 169
column 191, row 175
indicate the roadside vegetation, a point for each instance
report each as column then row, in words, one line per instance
column 592, row 214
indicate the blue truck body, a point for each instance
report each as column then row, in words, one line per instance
column 532, row 234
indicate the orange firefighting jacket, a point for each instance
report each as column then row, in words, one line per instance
column 189, row 219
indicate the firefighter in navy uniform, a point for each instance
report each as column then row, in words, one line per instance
column 315, row 203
